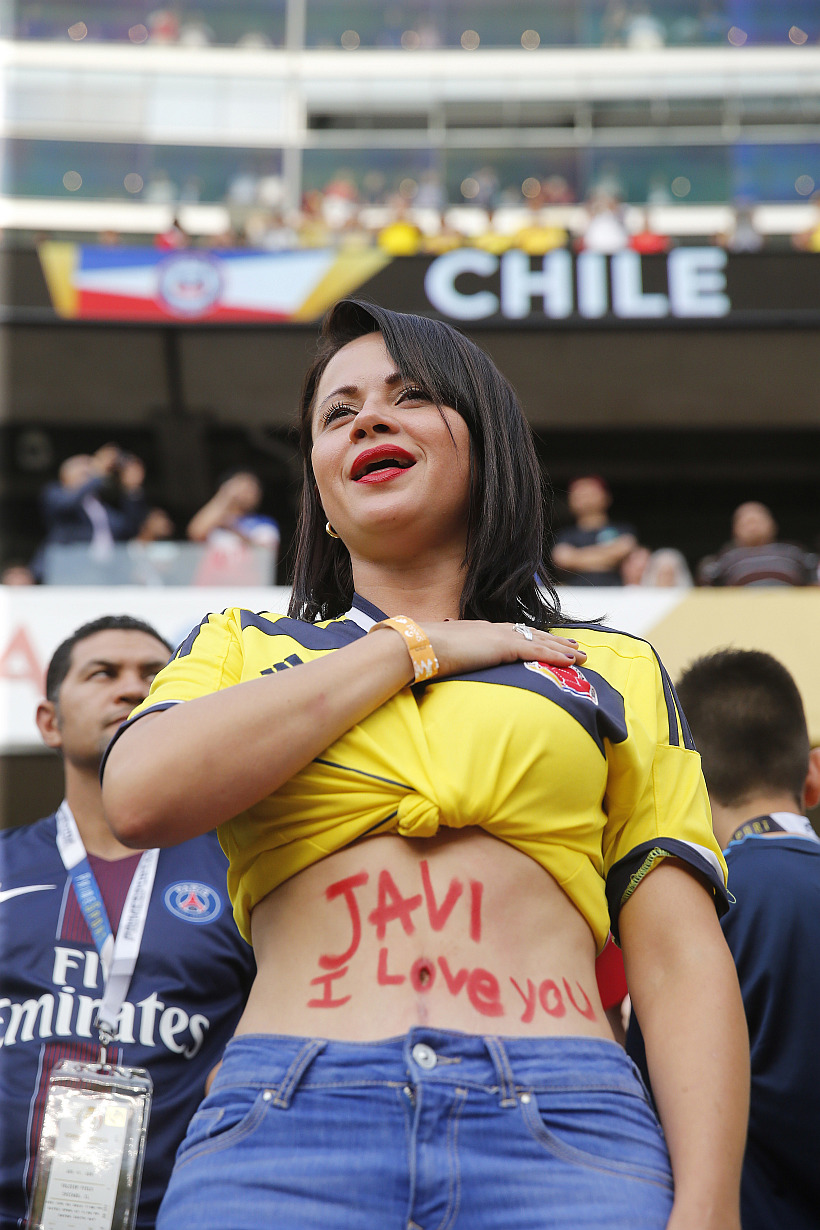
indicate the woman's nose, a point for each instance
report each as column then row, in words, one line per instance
column 371, row 421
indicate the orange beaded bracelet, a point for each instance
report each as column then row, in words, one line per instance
column 425, row 662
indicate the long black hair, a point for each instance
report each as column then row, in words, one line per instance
column 506, row 573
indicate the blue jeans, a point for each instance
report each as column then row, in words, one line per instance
column 434, row 1131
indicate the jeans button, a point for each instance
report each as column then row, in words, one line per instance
column 424, row 1056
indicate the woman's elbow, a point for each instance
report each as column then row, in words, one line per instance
column 132, row 809
column 128, row 817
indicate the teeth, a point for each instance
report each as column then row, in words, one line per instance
column 386, row 463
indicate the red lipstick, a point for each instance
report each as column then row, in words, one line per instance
column 374, row 464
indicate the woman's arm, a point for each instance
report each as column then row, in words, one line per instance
column 685, row 992
column 181, row 772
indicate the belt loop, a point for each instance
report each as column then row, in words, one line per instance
column 503, row 1070
column 296, row 1071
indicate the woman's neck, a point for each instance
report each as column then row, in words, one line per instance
column 422, row 592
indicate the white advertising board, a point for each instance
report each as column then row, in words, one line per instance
column 34, row 620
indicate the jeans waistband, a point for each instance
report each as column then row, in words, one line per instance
column 503, row 1066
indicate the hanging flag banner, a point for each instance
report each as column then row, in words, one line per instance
column 196, row 284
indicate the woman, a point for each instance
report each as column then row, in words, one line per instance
column 424, row 819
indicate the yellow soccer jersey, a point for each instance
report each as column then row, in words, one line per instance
column 590, row 771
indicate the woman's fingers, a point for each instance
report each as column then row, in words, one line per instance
column 472, row 644
column 544, row 646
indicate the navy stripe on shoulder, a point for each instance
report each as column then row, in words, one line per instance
column 671, row 707
column 188, row 644
column 157, row 708
column 310, row 636
column 688, row 737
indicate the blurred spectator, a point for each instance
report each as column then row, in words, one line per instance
column 644, row 239
column 271, row 231
column 232, row 511
column 667, row 568
column 17, row 573
column 755, row 557
column 556, row 191
column 236, row 535
column 163, row 26
column 97, row 499
column 401, row 236
column 160, row 189
column 431, row 194
column 539, row 234
column 642, row 29
column 633, row 566
column 591, row 552
column 742, row 235
column 444, row 239
column 174, row 238
column 483, row 188
column 493, row 239
column 340, row 200
column 157, row 527
column 809, row 240
column 195, row 33
column 605, row 230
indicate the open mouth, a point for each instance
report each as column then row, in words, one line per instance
column 380, row 464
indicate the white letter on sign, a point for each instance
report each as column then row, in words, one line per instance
column 553, row 282
column 439, row 284
column 628, row 298
column 697, row 282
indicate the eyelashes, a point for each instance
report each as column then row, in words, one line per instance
column 334, row 411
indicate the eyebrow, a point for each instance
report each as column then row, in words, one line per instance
column 350, row 390
column 96, row 663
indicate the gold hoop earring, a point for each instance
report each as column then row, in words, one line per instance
column 330, row 530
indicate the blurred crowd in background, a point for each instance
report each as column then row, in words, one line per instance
column 99, row 528
column 408, row 25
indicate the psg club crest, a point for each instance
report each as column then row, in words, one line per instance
column 193, row 902
column 568, row 678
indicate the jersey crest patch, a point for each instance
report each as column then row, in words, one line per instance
column 193, row 902
column 568, row 678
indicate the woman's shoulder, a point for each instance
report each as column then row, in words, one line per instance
column 601, row 641
column 276, row 627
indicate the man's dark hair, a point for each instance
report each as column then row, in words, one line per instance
column 60, row 663
column 505, row 566
column 748, row 722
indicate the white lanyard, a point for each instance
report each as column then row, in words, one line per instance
column 118, row 958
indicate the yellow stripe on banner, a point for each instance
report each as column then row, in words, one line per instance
column 348, row 272
column 59, row 262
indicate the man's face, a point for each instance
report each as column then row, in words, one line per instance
column 110, row 673
column 586, row 496
column 753, row 525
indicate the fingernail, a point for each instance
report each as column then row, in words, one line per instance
column 571, row 641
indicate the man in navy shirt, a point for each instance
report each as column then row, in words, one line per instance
column 193, row 971
column 747, row 719
column 591, row 551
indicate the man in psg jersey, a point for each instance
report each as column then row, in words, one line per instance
column 192, row 972
column 747, row 720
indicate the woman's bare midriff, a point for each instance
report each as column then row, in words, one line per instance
column 459, row 931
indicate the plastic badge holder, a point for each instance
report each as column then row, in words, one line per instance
column 90, row 1156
